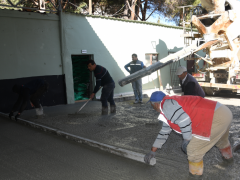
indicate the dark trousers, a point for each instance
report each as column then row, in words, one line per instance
column 107, row 94
column 37, row 95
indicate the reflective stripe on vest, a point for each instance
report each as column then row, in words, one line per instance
column 135, row 67
column 199, row 110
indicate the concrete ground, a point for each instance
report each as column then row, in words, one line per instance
column 135, row 127
column 31, row 154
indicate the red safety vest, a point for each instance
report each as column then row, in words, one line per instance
column 199, row 110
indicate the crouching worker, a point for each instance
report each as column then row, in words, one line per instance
column 32, row 92
column 103, row 79
column 203, row 124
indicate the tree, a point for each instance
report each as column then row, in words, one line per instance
column 126, row 10
column 106, row 7
column 137, row 9
column 166, row 8
column 171, row 11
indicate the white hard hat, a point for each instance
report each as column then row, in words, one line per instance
column 180, row 70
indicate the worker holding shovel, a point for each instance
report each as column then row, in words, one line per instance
column 103, row 79
column 203, row 124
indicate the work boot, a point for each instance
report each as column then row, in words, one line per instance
column 194, row 177
column 39, row 111
column 113, row 108
column 104, row 110
column 195, row 170
column 135, row 102
column 227, row 154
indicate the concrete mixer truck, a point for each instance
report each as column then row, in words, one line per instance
column 218, row 26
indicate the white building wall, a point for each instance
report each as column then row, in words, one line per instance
column 30, row 46
column 113, row 42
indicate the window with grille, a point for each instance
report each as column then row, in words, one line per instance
column 173, row 68
column 152, row 58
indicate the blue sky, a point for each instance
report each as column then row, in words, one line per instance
column 154, row 18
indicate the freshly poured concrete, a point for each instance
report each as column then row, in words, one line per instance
column 30, row 154
column 135, row 127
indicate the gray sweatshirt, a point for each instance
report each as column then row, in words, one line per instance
column 174, row 112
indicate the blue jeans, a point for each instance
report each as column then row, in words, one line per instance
column 137, row 89
column 107, row 94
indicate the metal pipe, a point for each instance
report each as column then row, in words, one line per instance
column 61, row 32
column 160, row 64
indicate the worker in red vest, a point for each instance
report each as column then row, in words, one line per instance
column 203, row 124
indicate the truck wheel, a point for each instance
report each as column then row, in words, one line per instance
column 210, row 91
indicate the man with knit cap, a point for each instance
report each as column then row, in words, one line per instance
column 189, row 84
column 203, row 124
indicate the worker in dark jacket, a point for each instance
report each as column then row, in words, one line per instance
column 103, row 79
column 189, row 84
column 136, row 65
column 32, row 92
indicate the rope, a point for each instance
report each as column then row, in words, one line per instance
column 119, row 10
column 73, row 4
column 99, row 12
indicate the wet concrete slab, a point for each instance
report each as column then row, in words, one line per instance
column 31, row 154
column 134, row 127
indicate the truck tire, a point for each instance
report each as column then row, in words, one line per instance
column 210, row 91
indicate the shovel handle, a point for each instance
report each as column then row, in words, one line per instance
column 87, row 101
column 98, row 89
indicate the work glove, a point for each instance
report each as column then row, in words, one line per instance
column 184, row 145
column 17, row 116
column 149, row 156
column 10, row 115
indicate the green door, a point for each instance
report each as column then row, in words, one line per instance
column 81, row 77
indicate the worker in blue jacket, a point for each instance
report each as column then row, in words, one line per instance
column 136, row 65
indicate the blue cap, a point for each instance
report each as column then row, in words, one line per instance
column 157, row 96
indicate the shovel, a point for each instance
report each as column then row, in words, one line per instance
column 84, row 105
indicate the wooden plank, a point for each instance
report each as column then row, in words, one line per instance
column 81, row 101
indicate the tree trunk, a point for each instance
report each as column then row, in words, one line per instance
column 144, row 12
column 125, row 12
column 90, row 7
column 93, row 7
column 137, row 10
column 133, row 9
